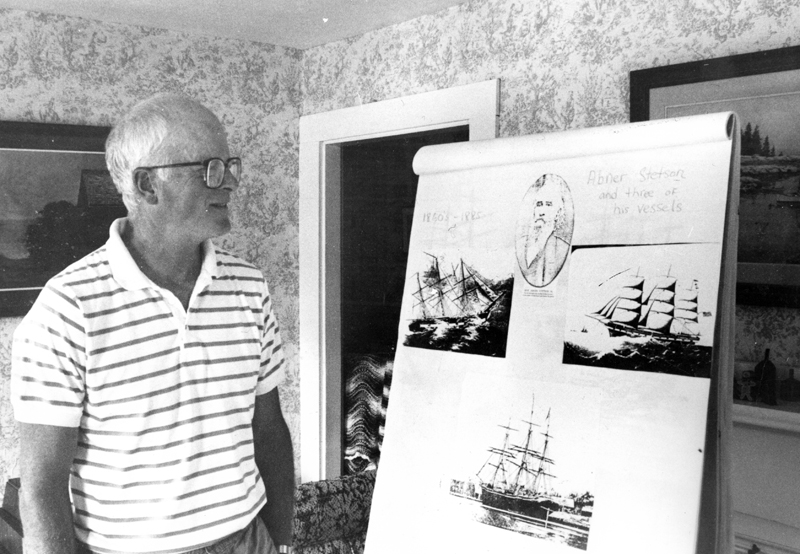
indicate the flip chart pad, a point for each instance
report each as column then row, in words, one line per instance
column 560, row 331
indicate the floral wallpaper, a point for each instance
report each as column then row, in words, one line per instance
column 563, row 64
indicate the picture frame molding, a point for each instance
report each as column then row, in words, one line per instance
column 642, row 81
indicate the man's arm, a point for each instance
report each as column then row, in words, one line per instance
column 275, row 461
column 46, row 454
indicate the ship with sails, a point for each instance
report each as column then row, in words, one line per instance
column 515, row 478
column 657, row 308
column 452, row 295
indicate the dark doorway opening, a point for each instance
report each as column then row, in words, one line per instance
column 378, row 190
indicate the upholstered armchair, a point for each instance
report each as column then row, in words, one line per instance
column 331, row 516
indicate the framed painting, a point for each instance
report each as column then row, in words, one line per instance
column 763, row 88
column 57, row 201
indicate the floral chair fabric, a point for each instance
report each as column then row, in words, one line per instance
column 331, row 516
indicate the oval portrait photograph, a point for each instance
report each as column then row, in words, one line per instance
column 544, row 230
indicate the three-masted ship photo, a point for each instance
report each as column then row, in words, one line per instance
column 649, row 322
column 514, row 488
column 515, row 477
column 662, row 309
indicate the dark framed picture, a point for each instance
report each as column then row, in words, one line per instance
column 57, row 201
column 763, row 88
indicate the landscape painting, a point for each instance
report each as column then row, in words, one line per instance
column 55, row 207
column 763, row 89
column 769, row 203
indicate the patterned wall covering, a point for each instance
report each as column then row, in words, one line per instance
column 68, row 70
column 563, row 64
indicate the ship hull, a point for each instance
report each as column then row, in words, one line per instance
column 622, row 330
column 536, row 507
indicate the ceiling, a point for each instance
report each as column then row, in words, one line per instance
column 296, row 23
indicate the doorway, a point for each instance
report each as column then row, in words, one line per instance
column 378, row 191
column 322, row 136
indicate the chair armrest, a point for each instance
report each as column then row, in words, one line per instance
column 333, row 509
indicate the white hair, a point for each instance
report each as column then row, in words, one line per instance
column 141, row 133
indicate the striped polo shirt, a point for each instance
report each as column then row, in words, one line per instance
column 163, row 398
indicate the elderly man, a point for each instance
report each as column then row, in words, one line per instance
column 545, row 247
column 144, row 377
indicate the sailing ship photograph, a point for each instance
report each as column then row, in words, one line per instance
column 456, row 307
column 532, row 467
column 643, row 308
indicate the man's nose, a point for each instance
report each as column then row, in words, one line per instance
column 229, row 181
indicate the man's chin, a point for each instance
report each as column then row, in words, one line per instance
column 219, row 228
column 225, row 229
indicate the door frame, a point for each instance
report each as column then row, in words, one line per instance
column 321, row 135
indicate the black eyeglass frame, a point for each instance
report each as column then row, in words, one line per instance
column 206, row 164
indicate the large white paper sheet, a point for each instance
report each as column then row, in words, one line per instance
column 552, row 374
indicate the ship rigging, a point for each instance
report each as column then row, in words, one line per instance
column 517, row 476
column 667, row 311
column 453, row 295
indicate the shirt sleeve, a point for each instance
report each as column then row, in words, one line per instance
column 48, row 362
column 272, row 371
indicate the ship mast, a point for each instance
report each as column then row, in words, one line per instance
column 471, row 292
column 524, row 466
column 439, row 286
column 501, row 454
column 544, row 461
column 421, row 294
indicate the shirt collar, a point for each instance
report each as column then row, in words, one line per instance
column 128, row 274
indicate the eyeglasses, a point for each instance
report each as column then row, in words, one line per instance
column 214, row 169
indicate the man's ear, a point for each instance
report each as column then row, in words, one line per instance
column 143, row 182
